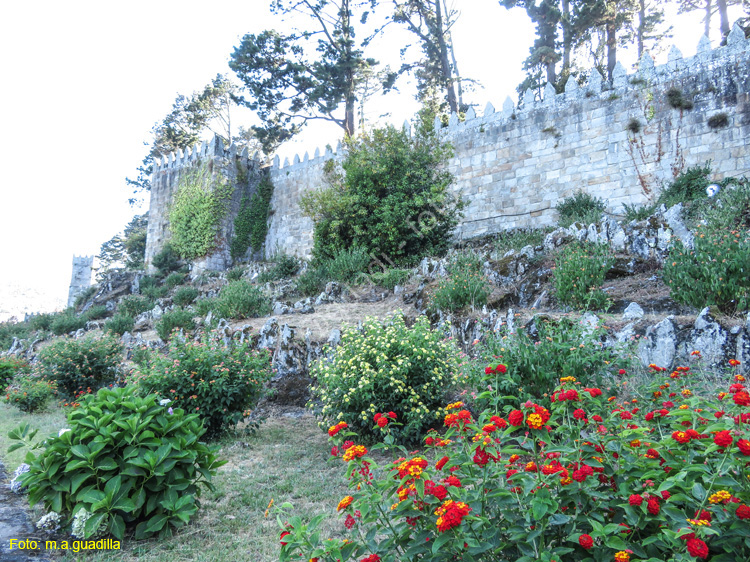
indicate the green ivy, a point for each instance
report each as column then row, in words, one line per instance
column 195, row 216
column 251, row 223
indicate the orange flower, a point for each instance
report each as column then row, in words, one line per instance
column 623, row 556
column 355, row 451
column 344, row 503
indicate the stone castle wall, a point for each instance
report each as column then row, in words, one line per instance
column 513, row 165
column 240, row 170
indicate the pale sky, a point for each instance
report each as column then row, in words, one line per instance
column 84, row 82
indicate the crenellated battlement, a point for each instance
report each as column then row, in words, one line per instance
column 620, row 140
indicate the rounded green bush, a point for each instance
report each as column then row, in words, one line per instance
column 131, row 462
column 119, row 324
column 81, row 366
column 179, row 318
column 66, row 322
column 579, row 274
column 133, row 305
column 9, row 368
column 29, row 393
column 185, row 295
column 218, row 383
column 465, row 286
column 386, row 367
column 242, row 299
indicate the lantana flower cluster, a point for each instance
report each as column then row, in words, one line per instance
column 594, row 477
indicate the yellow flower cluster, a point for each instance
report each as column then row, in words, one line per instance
column 344, row 503
column 720, row 497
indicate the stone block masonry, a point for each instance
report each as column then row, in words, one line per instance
column 621, row 141
column 80, row 279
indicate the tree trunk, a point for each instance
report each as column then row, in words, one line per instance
column 722, row 6
column 611, row 48
column 707, row 19
column 350, row 96
column 641, row 26
column 567, row 39
column 455, row 73
column 444, row 63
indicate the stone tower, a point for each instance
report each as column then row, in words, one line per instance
column 80, row 279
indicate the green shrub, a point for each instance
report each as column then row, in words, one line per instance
column 242, row 299
column 465, row 286
column 390, row 277
column 518, row 239
column 9, row 368
column 41, row 321
column 688, row 186
column 133, row 305
column 218, row 383
column 132, row 463
column 729, row 210
column 285, row 266
column 84, row 297
column 29, row 393
column 173, row 280
column 95, row 313
column 66, row 322
column 561, row 348
column 392, row 200
column 150, row 288
column 119, row 324
column 185, row 295
column 204, row 306
column 236, row 273
column 81, row 365
column 312, row 281
column 638, row 212
column 175, row 319
column 386, row 367
column 198, row 206
column 10, row 330
column 579, row 274
column 167, row 260
column 346, row 265
column 580, row 207
column 716, row 272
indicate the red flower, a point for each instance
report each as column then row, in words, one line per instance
column 681, row 437
column 450, row 515
column 371, row 558
column 285, row 533
column 441, row 463
column 743, row 512
column 649, row 416
column 382, row 422
column 653, row 505
column 742, row 398
column 703, row 515
column 452, row 481
column 744, row 446
column 597, row 418
column 579, row 414
column 501, row 369
column 635, row 499
column 723, row 438
column 697, row 548
column 515, row 418
column 586, row 541
column 666, row 495
column 392, row 415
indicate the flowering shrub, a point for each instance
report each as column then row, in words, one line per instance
column 386, row 367
column 133, row 305
column 716, row 272
column 9, row 367
column 531, row 366
column 465, row 286
column 215, row 382
column 84, row 365
column 241, row 299
column 126, row 460
column 589, row 478
column 579, row 273
column 29, row 393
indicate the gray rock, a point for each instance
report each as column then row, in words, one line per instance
column 709, row 338
column 659, row 345
column 590, row 322
column 626, row 334
column 633, row 312
column 268, row 334
column 673, row 216
column 79, row 333
column 157, row 312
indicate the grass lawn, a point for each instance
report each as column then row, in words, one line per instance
column 285, row 460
